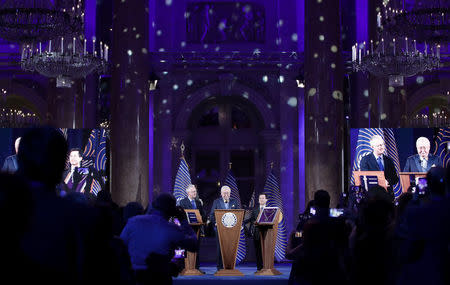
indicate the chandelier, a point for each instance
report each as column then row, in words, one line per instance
column 15, row 118
column 394, row 59
column 66, row 62
column 426, row 21
column 37, row 20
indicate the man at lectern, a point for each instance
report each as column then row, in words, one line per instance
column 254, row 230
column 378, row 161
column 423, row 160
column 192, row 202
column 225, row 202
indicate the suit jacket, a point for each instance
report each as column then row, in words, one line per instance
column 10, row 165
column 219, row 204
column 369, row 163
column 252, row 219
column 413, row 163
column 185, row 203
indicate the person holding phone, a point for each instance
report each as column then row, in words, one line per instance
column 423, row 161
column 152, row 240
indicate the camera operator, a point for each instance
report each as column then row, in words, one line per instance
column 152, row 239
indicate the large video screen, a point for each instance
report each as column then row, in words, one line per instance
column 412, row 150
column 87, row 161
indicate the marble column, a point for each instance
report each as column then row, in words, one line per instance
column 130, row 103
column 323, row 99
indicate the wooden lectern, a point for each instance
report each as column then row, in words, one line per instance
column 405, row 179
column 195, row 221
column 229, row 223
column 378, row 174
column 267, row 223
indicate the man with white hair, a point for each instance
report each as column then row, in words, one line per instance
column 224, row 202
column 10, row 165
column 423, row 160
column 378, row 161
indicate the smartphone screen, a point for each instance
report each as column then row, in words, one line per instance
column 180, row 253
column 422, row 185
column 335, row 212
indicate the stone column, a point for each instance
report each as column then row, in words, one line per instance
column 130, row 102
column 323, row 99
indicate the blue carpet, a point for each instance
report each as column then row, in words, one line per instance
column 248, row 269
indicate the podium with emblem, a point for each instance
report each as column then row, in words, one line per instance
column 195, row 221
column 267, row 222
column 229, row 223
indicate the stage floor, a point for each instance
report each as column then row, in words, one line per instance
column 248, row 269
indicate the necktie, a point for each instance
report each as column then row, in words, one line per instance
column 226, row 205
column 380, row 164
column 424, row 164
column 193, row 204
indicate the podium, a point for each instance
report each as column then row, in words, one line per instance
column 229, row 223
column 405, row 179
column 378, row 174
column 267, row 223
column 195, row 221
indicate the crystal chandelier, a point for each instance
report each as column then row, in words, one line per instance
column 30, row 21
column 14, row 117
column 394, row 59
column 425, row 21
column 66, row 61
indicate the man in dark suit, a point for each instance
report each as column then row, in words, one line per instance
column 193, row 202
column 378, row 161
column 254, row 230
column 75, row 177
column 225, row 202
column 423, row 160
column 10, row 165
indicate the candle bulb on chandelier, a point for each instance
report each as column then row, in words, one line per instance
column 438, row 51
column 84, row 47
column 353, row 53
column 50, row 46
column 426, row 49
column 415, row 47
column 62, row 45
column 394, row 45
column 106, row 53
column 101, row 50
column 406, row 44
column 371, row 47
column 73, row 45
column 40, row 48
column 379, row 20
column 359, row 54
column 382, row 46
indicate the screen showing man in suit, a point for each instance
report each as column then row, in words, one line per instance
column 10, row 165
column 423, row 160
column 75, row 177
column 224, row 202
column 379, row 161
